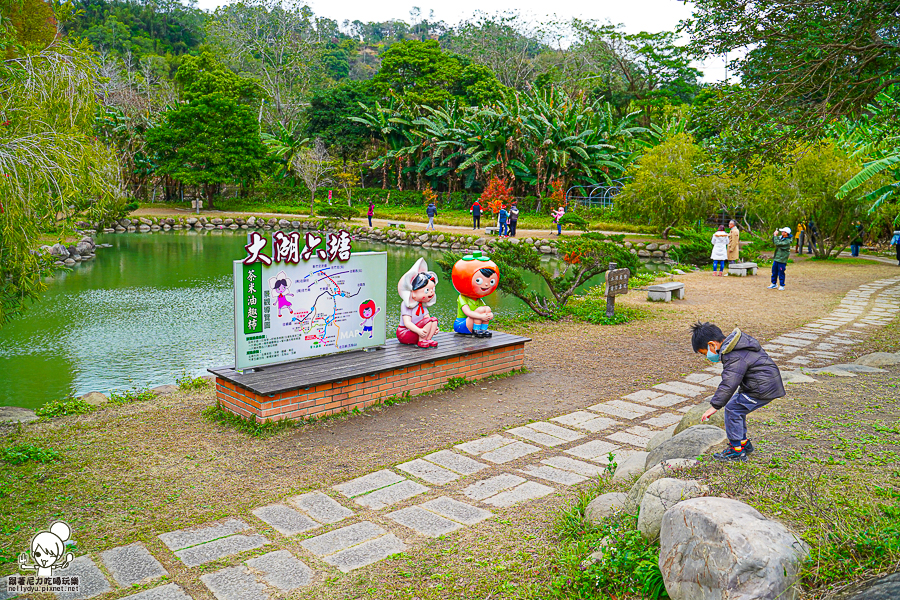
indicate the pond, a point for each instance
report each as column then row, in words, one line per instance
column 155, row 306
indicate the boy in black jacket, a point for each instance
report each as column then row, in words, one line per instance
column 750, row 380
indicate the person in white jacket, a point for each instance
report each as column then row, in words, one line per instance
column 719, row 254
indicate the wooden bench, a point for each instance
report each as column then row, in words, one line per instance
column 390, row 224
column 663, row 292
column 491, row 230
column 742, row 269
column 342, row 382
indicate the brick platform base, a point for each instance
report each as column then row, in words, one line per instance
column 360, row 392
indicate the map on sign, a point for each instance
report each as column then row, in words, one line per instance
column 289, row 311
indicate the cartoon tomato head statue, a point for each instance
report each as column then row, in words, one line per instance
column 475, row 275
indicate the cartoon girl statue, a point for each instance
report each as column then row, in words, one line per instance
column 416, row 289
column 47, row 550
column 474, row 276
column 280, row 284
column 367, row 312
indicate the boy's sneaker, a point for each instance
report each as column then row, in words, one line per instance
column 748, row 447
column 780, row 288
column 772, row 287
column 729, row 454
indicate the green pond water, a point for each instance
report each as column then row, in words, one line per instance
column 153, row 307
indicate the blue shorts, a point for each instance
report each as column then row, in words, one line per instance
column 459, row 326
column 367, row 329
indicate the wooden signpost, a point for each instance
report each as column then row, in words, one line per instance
column 616, row 283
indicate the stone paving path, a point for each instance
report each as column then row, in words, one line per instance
column 445, row 491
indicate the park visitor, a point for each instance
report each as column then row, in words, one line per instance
column 782, row 241
column 858, row 236
column 513, row 219
column 557, row 218
column 371, row 212
column 895, row 241
column 719, row 254
column 501, row 221
column 734, row 242
column 801, row 238
column 476, row 215
column 812, row 236
column 431, row 211
column 750, row 380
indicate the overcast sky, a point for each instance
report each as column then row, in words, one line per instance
column 635, row 15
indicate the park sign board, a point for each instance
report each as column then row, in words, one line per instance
column 309, row 296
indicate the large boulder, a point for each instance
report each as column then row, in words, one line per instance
column 59, row 250
column 666, row 468
column 692, row 417
column 95, row 398
column 661, row 495
column 796, row 377
column 662, row 436
column 631, row 467
column 690, row 443
column 604, row 506
column 879, row 359
column 722, row 549
column 14, row 414
column 884, row 588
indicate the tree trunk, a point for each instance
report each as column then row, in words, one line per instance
column 209, row 196
column 312, row 203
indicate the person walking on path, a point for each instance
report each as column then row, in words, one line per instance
column 734, row 243
column 431, row 211
column 502, row 216
column 371, row 212
column 858, row 236
column 750, row 380
column 782, row 241
column 513, row 219
column 719, row 254
column 801, row 238
column 557, row 217
column 812, row 236
column 476, row 215
column 895, row 241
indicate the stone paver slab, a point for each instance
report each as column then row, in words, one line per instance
column 423, row 522
column 587, row 421
column 629, row 438
column 284, row 520
column 595, row 450
column 642, row 396
column 184, row 538
column 345, row 537
column 428, row 471
column 493, row 485
column 522, row 493
column 366, row 553
column 575, row 466
column 235, row 544
column 538, row 437
column 281, row 570
column 698, row 378
column 664, row 420
column 321, row 507
column 164, row 592
column 556, row 431
column 606, row 407
column 553, row 474
column 91, row 581
column 668, row 400
column 391, row 494
column 680, row 388
column 456, row 510
column 132, row 564
column 455, row 462
column 367, row 483
column 485, row 444
column 234, row 583
column 509, row 452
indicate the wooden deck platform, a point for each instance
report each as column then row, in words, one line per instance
column 354, row 379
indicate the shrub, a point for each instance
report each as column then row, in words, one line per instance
column 18, row 454
column 135, row 394
column 64, row 406
column 337, row 211
column 694, row 248
column 187, row 383
column 574, row 221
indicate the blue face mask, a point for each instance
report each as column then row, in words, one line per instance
column 712, row 356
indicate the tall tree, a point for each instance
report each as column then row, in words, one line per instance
column 800, row 63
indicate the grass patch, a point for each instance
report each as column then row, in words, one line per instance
column 591, row 308
column 842, row 260
column 251, row 426
column 18, row 454
column 135, row 394
column 455, row 383
column 186, row 383
column 64, row 406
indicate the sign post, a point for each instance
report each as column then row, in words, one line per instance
column 616, row 283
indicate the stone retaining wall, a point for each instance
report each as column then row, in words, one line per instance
column 360, row 392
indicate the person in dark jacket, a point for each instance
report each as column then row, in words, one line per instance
column 476, row 215
column 431, row 210
column 513, row 219
column 859, row 234
column 750, row 380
